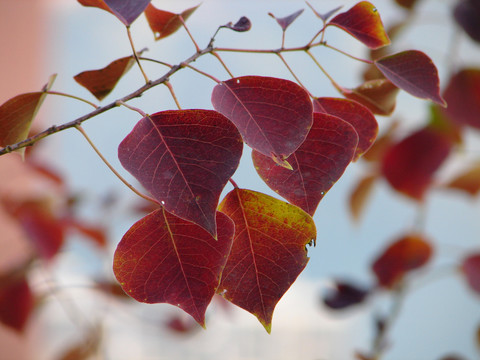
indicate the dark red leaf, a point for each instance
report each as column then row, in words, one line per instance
column 164, row 23
column 471, row 270
column 273, row 115
column 363, row 22
column 414, row 72
column 378, row 95
column 316, row 165
column 268, row 252
column 408, row 253
column 463, row 97
column 243, row 24
column 164, row 259
column 181, row 325
column 285, row 22
column 16, row 303
column 102, row 81
column 95, row 3
column 409, row 165
column 467, row 13
column 345, row 295
column 127, row 10
column 356, row 115
column 184, row 158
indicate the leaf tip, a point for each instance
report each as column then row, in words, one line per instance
column 281, row 161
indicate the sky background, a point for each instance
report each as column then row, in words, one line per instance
column 438, row 317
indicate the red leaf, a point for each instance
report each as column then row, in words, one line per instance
column 181, row 326
column 316, row 165
column 95, row 233
column 410, row 164
column 95, row 3
column 17, row 114
column 273, row 115
column 184, row 158
column 127, row 10
column 467, row 13
column 471, row 271
column 468, row 181
column 102, row 81
column 164, row 23
column 344, row 295
column 286, row 21
column 414, row 72
column 16, row 303
column 378, row 95
column 408, row 253
column 268, row 252
column 356, row 115
column 164, row 259
column 363, row 22
column 463, row 97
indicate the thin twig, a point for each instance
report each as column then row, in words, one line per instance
column 223, row 64
column 136, row 55
column 334, row 83
column 80, row 129
column 172, row 92
column 189, row 33
column 370, row 62
column 72, row 97
column 293, row 74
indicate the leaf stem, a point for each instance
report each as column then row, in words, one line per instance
column 172, row 92
column 72, row 97
column 370, row 62
column 133, row 108
column 136, row 55
column 223, row 64
column 233, row 183
column 334, row 83
column 293, row 74
column 80, row 129
column 156, row 61
column 189, row 34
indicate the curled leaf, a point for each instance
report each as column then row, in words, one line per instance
column 363, row 22
column 165, row 23
column 414, row 72
column 243, row 24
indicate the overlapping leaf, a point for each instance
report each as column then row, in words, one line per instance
column 316, row 165
column 409, row 165
column 378, row 95
column 268, row 251
column 286, row 21
column 165, row 259
column 102, row 81
column 356, row 115
column 363, row 22
column 471, row 270
column 127, row 10
column 414, row 72
column 463, row 97
column 164, row 23
column 273, row 115
column 17, row 114
column 408, row 253
column 184, row 158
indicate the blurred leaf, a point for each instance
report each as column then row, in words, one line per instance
column 86, row 348
column 471, row 270
column 286, row 21
column 102, row 81
column 16, row 303
column 407, row 4
column 414, row 72
column 380, row 146
column 363, row 22
column 468, row 181
column 360, row 195
column 408, row 253
column 345, row 295
column 467, row 15
column 181, row 325
column 165, row 23
column 96, row 234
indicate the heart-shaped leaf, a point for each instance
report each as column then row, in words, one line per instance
column 363, row 22
column 316, row 165
column 408, row 253
column 466, row 14
column 184, row 158
column 17, row 114
column 95, row 3
column 268, row 251
column 273, row 115
column 378, row 95
column 102, row 81
column 414, row 72
column 165, row 23
column 165, row 259
column 127, row 10
column 471, row 270
column 286, row 21
column 356, row 115
column 463, row 97
column 410, row 164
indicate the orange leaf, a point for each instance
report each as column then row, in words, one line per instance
column 164, row 23
column 95, row 3
column 360, row 195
